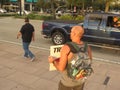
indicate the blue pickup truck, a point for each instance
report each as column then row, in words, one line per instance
column 99, row 28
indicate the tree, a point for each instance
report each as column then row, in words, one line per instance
column 79, row 3
column 107, row 3
column 40, row 4
column 53, row 9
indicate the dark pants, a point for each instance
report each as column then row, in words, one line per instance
column 62, row 87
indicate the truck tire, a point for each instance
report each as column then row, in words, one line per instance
column 58, row 38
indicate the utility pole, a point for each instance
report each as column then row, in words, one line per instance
column 20, row 7
column 31, row 5
column 21, row 2
column 0, row 4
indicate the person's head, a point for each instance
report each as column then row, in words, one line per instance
column 26, row 19
column 76, row 33
column 115, row 19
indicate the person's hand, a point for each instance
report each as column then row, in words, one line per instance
column 17, row 37
column 51, row 59
column 33, row 39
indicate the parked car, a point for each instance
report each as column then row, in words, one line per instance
column 2, row 10
column 49, row 11
column 24, row 12
column 115, row 11
column 98, row 27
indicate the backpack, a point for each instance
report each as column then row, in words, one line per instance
column 80, row 64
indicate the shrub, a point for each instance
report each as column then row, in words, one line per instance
column 6, row 15
column 70, row 17
column 31, row 16
column 79, row 17
column 66, row 17
column 50, row 17
column 36, row 17
column 18, row 16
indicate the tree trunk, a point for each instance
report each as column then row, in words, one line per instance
column 107, row 6
column 53, row 9
column 0, row 5
column 83, row 7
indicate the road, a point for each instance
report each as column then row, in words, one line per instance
column 10, row 26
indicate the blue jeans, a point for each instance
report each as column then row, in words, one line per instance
column 28, row 53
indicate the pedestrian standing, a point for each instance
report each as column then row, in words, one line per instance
column 66, row 54
column 27, row 34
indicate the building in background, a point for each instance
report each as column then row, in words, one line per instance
column 16, row 5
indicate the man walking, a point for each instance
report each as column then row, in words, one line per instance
column 28, row 34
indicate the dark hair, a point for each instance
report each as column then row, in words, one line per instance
column 26, row 19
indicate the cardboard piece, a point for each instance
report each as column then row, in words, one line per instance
column 55, row 52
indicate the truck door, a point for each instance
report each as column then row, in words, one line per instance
column 99, row 28
column 94, row 28
column 113, row 31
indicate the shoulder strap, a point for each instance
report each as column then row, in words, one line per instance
column 73, row 47
column 85, row 46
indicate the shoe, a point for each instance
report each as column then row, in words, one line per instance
column 32, row 59
column 26, row 57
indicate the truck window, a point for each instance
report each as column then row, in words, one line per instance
column 94, row 21
column 113, row 21
column 110, row 22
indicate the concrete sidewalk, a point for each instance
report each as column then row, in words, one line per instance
column 17, row 73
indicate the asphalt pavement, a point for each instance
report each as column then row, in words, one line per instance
column 18, row 73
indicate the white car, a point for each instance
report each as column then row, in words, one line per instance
column 2, row 10
column 115, row 11
column 24, row 12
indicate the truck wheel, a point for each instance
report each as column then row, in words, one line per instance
column 58, row 38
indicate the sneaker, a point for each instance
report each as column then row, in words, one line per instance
column 26, row 57
column 32, row 59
